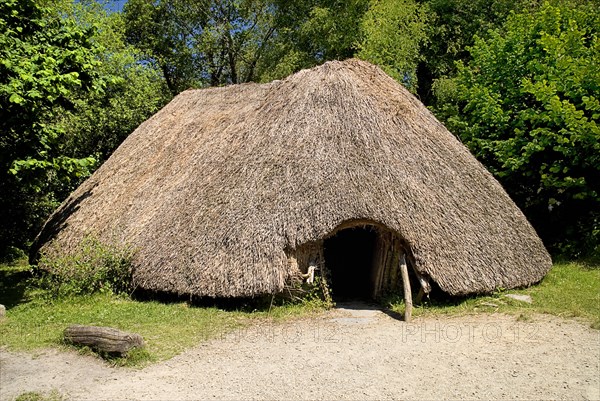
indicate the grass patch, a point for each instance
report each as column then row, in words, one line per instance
column 167, row 329
column 35, row 320
column 569, row 290
column 35, row 396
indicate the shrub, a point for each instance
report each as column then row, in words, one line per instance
column 528, row 106
column 93, row 267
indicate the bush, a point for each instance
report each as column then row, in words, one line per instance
column 528, row 106
column 93, row 267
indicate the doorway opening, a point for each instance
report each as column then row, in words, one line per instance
column 350, row 259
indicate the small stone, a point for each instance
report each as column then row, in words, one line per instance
column 522, row 298
column 2, row 311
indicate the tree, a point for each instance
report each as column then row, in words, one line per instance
column 198, row 43
column 452, row 27
column 219, row 42
column 529, row 109
column 71, row 90
column 310, row 32
column 134, row 90
column 44, row 60
column 393, row 32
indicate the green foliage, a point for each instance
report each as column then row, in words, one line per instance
column 134, row 91
column 14, row 278
column 527, row 105
column 452, row 27
column 310, row 32
column 200, row 43
column 94, row 267
column 167, row 33
column 70, row 91
column 45, row 60
column 12, row 254
column 222, row 42
column 317, row 293
column 393, row 33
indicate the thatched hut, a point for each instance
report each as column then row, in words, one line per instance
column 236, row 191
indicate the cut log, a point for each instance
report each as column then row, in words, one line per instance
column 104, row 339
column 407, row 290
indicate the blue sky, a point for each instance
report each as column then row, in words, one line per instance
column 115, row 5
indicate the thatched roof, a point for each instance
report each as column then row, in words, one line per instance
column 214, row 188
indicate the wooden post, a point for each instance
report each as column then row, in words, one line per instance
column 383, row 251
column 419, row 296
column 407, row 290
column 425, row 287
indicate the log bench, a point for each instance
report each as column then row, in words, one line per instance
column 103, row 339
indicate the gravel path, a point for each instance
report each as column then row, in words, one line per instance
column 352, row 353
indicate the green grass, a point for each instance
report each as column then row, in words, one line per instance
column 569, row 290
column 35, row 322
column 167, row 329
column 35, row 396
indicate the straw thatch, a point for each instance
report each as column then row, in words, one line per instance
column 219, row 189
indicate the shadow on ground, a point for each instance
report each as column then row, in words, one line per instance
column 13, row 283
column 362, row 306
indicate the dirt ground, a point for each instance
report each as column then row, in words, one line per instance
column 348, row 353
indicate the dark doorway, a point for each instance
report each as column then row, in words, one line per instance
column 349, row 258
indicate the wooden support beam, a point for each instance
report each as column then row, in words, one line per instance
column 384, row 254
column 425, row 286
column 407, row 291
column 419, row 296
